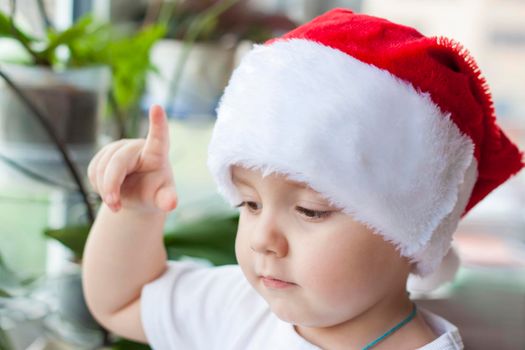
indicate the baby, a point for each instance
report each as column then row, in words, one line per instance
column 352, row 146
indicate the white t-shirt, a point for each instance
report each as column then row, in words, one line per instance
column 193, row 307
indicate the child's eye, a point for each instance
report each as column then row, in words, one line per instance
column 308, row 213
column 313, row 214
column 252, row 206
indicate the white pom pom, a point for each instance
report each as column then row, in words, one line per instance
column 446, row 272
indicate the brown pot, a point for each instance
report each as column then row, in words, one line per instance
column 72, row 100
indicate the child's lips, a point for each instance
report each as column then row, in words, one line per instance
column 275, row 283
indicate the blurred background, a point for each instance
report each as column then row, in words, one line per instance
column 76, row 75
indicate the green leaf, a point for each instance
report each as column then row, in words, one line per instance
column 128, row 57
column 5, row 344
column 7, row 30
column 4, row 294
column 73, row 237
column 79, row 29
column 211, row 238
column 89, row 44
column 124, row 344
column 130, row 61
column 90, row 48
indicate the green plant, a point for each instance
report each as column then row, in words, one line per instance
column 128, row 58
column 89, row 43
column 211, row 238
column 124, row 344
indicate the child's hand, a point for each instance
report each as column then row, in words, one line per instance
column 135, row 173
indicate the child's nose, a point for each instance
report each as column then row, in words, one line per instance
column 268, row 238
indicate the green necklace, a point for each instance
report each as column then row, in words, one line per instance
column 393, row 329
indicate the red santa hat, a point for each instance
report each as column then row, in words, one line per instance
column 396, row 128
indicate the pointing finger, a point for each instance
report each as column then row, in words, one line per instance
column 157, row 145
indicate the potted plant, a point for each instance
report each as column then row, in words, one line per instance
column 203, row 36
column 81, row 58
column 55, row 94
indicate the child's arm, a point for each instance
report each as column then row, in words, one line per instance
column 125, row 247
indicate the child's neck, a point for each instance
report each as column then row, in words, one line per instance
column 357, row 332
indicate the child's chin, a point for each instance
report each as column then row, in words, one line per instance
column 286, row 317
column 287, row 314
column 305, row 319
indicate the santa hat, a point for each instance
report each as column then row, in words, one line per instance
column 395, row 128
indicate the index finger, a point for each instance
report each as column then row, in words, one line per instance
column 157, row 141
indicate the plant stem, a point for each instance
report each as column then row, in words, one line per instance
column 45, row 18
column 58, row 143
column 119, row 117
column 38, row 60
column 167, row 8
column 34, row 175
column 152, row 12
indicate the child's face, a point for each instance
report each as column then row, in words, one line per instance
column 336, row 268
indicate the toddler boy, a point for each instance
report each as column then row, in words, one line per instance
column 352, row 146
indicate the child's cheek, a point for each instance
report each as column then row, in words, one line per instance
column 242, row 251
column 334, row 281
column 334, row 295
column 335, row 272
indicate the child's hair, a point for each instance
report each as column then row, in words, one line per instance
column 396, row 128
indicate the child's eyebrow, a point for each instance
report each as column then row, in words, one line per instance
column 298, row 185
